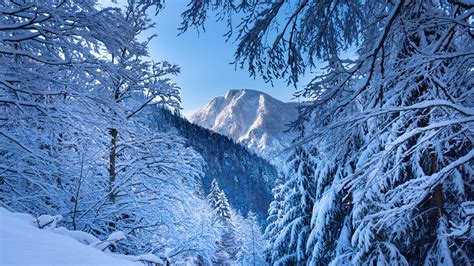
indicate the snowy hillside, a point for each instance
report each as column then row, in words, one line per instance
column 246, row 178
column 23, row 243
column 252, row 118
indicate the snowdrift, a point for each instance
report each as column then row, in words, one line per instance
column 25, row 240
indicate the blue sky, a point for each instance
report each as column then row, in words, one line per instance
column 204, row 59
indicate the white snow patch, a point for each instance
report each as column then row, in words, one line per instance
column 23, row 243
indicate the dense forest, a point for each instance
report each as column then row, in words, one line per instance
column 246, row 178
column 79, row 152
column 382, row 174
column 92, row 148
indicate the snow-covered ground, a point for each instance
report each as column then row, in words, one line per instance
column 23, row 243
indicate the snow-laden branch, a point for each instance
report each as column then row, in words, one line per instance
column 409, row 134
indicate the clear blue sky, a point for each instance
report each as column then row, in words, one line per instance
column 204, row 59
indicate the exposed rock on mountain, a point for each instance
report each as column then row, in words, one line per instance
column 252, row 118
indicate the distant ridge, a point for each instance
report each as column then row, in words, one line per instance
column 251, row 118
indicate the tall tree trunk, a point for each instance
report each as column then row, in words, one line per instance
column 112, row 161
column 76, row 197
column 438, row 190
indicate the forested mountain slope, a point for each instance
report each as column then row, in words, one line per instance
column 246, row 178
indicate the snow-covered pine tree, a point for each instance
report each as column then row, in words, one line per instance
column 227, row 245
column 218, row 201
column 250, row 241
column 404, row 93
column 332, row 206
column 418, row 156
column 289, row 244
column 275, row 214
column 213, row 196
column 222, row 208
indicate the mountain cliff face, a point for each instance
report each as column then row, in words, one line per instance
column 251, row 118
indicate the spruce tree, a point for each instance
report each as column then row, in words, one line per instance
column 213, row 196
column 289, row 246
column 227, row 246
column 275, row 214
column 222, row 208
column 392, row 120
column 251, row 242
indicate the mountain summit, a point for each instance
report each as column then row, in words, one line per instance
column 252, row 118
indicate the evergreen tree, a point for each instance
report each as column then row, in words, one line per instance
column 275, row 214
column 289, row 245
column 392, row 121
column 251, row 242
column 214, row 195
column 227, row 246
column 222, row 208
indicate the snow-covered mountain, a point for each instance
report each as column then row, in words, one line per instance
column 252, row 118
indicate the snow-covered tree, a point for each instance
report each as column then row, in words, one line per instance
column 194, row 236
column 218, row 201
column 134, row 83
column 275, row 214
column 75, row 139
column 250, row 241
column 214, row 194
column 222, row 209
column 289, row 242
column 227, row 246
column 329, row 219
column 49, row 61
column 401, row 98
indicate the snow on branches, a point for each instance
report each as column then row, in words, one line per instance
column 392, row 120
